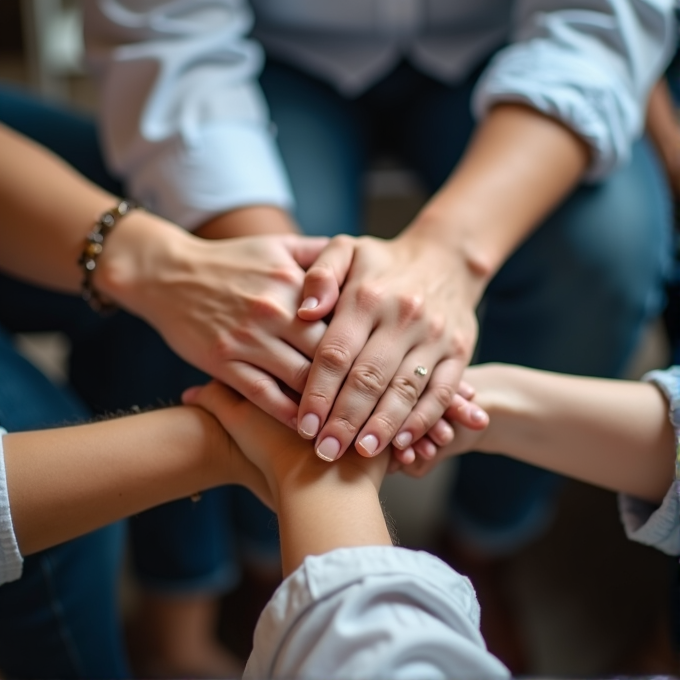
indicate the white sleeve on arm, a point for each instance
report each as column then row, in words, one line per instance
column 588, row 63
column 11, row 561
column 184, row 122
column 372, row 612
column 659, row 526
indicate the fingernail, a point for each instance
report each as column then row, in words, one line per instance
column 190, row 393
column 369, row 443
column 328, row 449
column 409, row 456
column 445, row 431
column 309, row 426
column 478, row 416
column 429, row 450
column 403, row 439
column 309, row 303
column 292, row 423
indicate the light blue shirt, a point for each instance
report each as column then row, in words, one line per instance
column 186, row 125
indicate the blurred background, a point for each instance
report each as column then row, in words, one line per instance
column 589, row 602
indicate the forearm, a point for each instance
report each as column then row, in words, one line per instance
column 614, row 434
column 663, row 128
column 518, row 167
column 67, row 481
column 323, row 507
column 249, row 221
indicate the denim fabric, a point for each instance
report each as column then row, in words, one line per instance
column 117, row 362
column 574, row 297
column 60, row 620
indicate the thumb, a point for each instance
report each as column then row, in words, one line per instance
column 324, row 278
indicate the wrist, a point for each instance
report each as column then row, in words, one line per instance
column 435, row 234
column 141, row 252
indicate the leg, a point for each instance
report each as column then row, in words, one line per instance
column 61, row 618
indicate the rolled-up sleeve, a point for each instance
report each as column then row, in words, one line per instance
column 11, row 562
column 659, row 526
column 590, row 64
column 372, row 612
column 184, row 122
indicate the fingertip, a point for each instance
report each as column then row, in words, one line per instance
column 189, row 395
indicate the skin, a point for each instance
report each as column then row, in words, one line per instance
column 320, row 507
column 611, row 433
column 663, row 128
column 65, row 482
column 411, row 301
column 228, row 306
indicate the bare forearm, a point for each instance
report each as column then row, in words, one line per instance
column 518, row 167
column 67, row 481
column 327, row 507
column 249, row 221
column 614, row 434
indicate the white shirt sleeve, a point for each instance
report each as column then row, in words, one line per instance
column 184, row 121
column 589, row 64
column 659, row 526
column 372, row 612
column 11, row 562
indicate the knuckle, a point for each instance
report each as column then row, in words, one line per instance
column 318, row 274
column 334, row 356
column 346, row 425
column 411, row 309
column 436, row 328
column 419, row 423
column 368, row 378
column 442, row 394
column 287, row 275
column 259, row 389
column 265, row 309
column 223, row 350
column 300, row 375
column 406, row 389
column 368, row 297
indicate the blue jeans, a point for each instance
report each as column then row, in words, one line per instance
column 61, row 619
column 574, row 297
column 119, row 361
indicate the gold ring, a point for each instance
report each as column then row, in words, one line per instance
column 421, row 371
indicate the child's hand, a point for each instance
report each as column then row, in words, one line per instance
column 278, row 451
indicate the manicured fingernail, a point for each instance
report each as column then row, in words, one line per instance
column 309, row 426
column 429, row 450
column 369, row 443
column 309, row 303
column 403, row 439
column 409, row 456
column 328, row 449
column 478, row 416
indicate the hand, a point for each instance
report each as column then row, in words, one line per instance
column 228, row 306
column 276, row 450
column 462, row 412
column 405, row 304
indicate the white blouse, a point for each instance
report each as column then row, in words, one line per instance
column 187, row 127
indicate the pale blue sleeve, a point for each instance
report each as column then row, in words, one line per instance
column 183, row 120
column 590, row 64
column 11, row 562
column 372, row 612
column 659, row 526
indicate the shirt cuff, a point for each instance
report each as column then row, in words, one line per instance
column 222, row 168
column 600, row 113
column 11, row 562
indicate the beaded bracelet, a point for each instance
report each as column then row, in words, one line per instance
column 94, row 244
